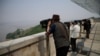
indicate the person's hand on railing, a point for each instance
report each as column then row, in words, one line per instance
column 47, row 34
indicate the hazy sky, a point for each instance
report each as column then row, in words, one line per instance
column 26, row 13
column 35, row 10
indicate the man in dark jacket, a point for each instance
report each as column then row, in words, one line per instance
column 60, row 35
column 87, row 27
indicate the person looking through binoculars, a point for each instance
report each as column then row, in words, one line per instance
column 60, row 35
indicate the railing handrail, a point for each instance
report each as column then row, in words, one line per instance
column 5, row 47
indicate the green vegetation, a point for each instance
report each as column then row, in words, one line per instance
column 21, row 33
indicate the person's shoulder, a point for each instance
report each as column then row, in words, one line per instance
column 53, row 25
column 76, row 26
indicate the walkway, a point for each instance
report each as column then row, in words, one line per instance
column 91, row 46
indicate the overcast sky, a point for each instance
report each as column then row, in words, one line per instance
column 36, row 10
column 26, row 13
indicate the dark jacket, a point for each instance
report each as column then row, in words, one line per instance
column 60, row 35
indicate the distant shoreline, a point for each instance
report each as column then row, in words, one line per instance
column 5, row 29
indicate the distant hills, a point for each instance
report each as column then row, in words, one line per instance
column 21, row 33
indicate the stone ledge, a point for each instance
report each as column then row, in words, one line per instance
column 12, row 45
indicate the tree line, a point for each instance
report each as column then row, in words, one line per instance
column 21, row 33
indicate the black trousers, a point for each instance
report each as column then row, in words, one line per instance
column 62, row 51
column 87, row 33
column 73, row 44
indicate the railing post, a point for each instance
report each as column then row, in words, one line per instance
column 80, row 30
column 48, row 46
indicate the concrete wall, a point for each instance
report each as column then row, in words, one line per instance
column 34, row 45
